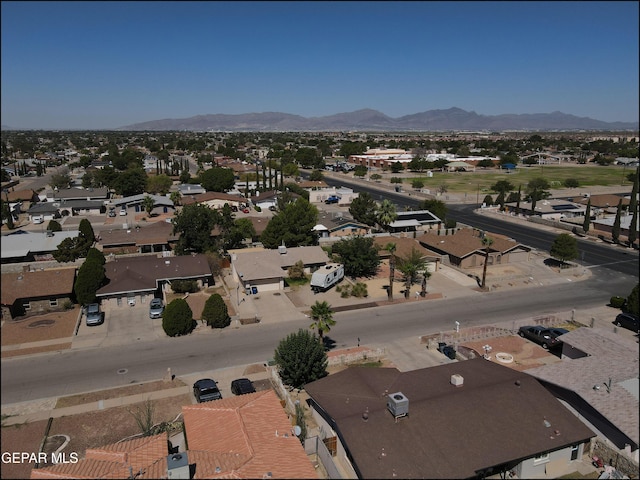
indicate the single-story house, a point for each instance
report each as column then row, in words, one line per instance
column 45, row 211
column 266, row 269
column 553, row 208
column 254, row 439
column 340, row 227
column 99, row 193
column 598, row 379
column 37, row 291
column 145, row 276
column 155, row 237
column 605, row 203
column 162, row 204
column 414, row 220
column 22, row 246
column 265, row 200
column 215, row 200
column 345, row 194
column 187, row 189
column 605, row 225
column 467, row 419
column 464, row 248
column 404, row 247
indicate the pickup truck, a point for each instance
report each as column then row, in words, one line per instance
column 332, row 199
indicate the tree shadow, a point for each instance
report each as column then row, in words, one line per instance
column 329, row 343
column 555, row 263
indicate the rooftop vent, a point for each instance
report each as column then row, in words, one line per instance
column 457, row 380
column 178, row 466
column 282, row 249
column 398, row 404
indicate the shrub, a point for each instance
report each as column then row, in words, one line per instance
column 296, row 271
column 359, row 290
column 177, row 318
column 67, row 305
column 257, row 208
column 617, row 302
column 184, row 286
column 215, row 312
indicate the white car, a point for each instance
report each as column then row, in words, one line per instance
column 38, row 219
column 123, row 212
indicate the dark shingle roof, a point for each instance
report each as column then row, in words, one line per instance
column 496, row 416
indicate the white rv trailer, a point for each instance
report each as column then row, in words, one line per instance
column 326, row 277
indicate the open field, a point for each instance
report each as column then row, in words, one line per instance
column 481, row 180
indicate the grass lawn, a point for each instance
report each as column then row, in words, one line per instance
column 481, row 180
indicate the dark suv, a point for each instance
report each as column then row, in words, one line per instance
column 629, row 321
column 242, row 386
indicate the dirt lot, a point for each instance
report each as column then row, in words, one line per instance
column 40, row 327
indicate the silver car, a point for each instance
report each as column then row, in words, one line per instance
column 156, row 308
column 94, row 315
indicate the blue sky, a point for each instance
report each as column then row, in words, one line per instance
column 98, row 65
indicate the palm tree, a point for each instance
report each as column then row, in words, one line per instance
column 148, row 203
column 175, row 197
column 410, row 266
column 486, row 242
column 391, row 248
column 322, row 315
column 386, row 214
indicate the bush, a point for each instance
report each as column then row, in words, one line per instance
column 177, row 318
column 215, row 312
column 617, row 302
column 257, row 208
column 184, row 286
column 67, row 305
column 301, row 359
column 359, row 290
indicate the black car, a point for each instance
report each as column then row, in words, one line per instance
column 629, row 321
column 206, row 390
column 241, row 386
column 543, row 336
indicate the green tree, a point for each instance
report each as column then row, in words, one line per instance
column 376, row 177
column 322, row 317
column 397, row 167
column 316, row 176
column 488, row 200
column 437, row 207
column 410, row 266
column 571, row 183
column 215, row 312
column 537, row 190
column 159, row 184
column 518, row 199
column 502, row 186
column 360, row 171
column 587, row 217
column 67, row 250
column 300, row 359
column 292, row 225
column 290, row 170
column 363, row 209
column 631, row 305
column 500, row 200
column 54, row 226
column 395, row 180
column 148, row 203
column 417, row 184
column 130, row 182
column 194, row 224
column 217, row 179
column 60, row 180
column 386, row 214
column 564, row 248
column 176, row 197
column 240, row 229
column 91, row 276
column 296, row 271
column 486, row 242
column 358, row 255
column 177, row 318
column 86, row 237
column 615, row 230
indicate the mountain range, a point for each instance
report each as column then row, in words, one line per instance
column 452, row 119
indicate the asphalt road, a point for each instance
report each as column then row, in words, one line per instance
column 592, row 254
column 74, row 371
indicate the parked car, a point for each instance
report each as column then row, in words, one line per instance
column 245, row 210
column 543, row 336
column 241, row 386
column 94, row 315
column 38, row 219
column 206, row 390
column 112, row 213
column 332, row 199
column 123, row 211
column 156, row 308
column 629, row 321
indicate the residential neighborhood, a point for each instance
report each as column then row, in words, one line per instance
column 230, row 244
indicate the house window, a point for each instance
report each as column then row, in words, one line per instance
column 541, row 458
column 53, row 302
column 119, row 301
column 575, row 450
column 26, row 306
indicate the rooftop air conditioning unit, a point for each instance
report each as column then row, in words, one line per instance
column 398, row 404
column 457, row 380
column 282, row 249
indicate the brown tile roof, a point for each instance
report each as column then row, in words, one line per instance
column 154, row 234
column 253, row 436
column 208, row 196
column 496, row 416
column 315, row 184
column 403, row 246
column 604, row 200
column 142, row 273
column 38, row 284
column 16, row 195
column 146, row 456
column 466, row 241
